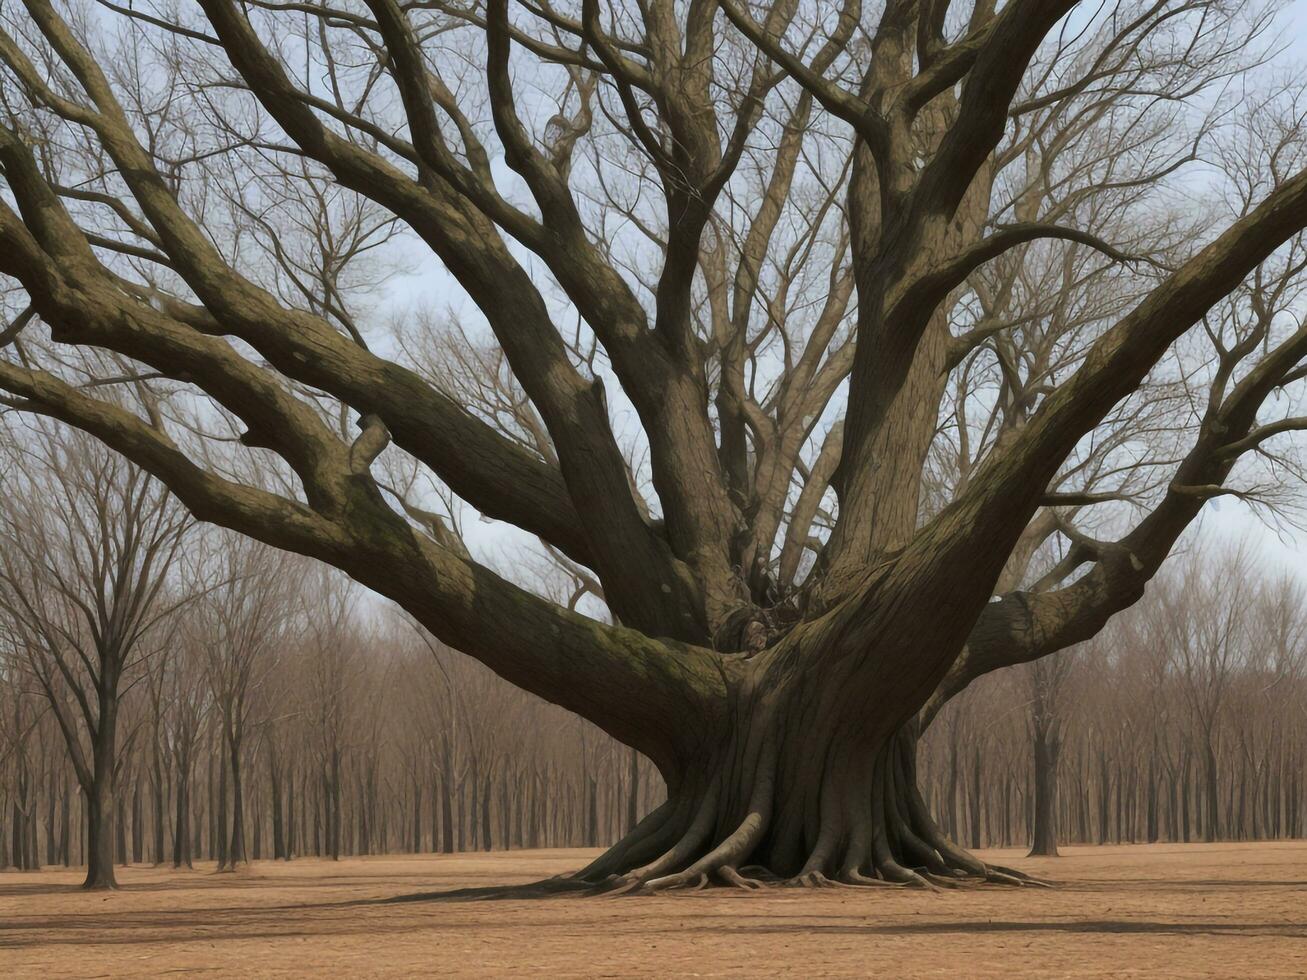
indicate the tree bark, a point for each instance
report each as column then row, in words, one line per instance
column 100, row 833
column 829, row 803
column 1212, row 794
column 632, row 791
column 1046, row 750
column 236, row 853
column 181, row 838
column 278, row 827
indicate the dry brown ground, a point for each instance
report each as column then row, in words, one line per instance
column 1225, row 910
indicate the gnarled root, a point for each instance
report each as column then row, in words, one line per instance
column 855, row 826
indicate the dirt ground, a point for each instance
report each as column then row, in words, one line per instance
column 1224, row 910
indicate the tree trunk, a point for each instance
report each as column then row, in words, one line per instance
column 486, row 842
column 417, row 814
column 236, row 852
column 278, row 827
column 18, row 837
column 1046, row 749
column 446, row 816
column 120, row 833
column 160, row 807
column 293, row 839
column 100, row 832
column 591, row 812
column 220, row 810
column 181, row 838
column 138, row 823
column 633, row 791
column 810, row 809
column 1212, row 821
column 333, row 826
column 65, row 827
column 51, row 798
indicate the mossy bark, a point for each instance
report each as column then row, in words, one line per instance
column 792, row 790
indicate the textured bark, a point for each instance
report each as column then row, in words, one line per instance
column 279, row 849
column 1043, row 839
column 236, row 851
column 795, row 788
column 100, row 805
column 181, row 839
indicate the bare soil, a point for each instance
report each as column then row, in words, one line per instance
column 1220, row 910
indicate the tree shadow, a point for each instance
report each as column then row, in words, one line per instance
column 546, row 888
column 1288, row 930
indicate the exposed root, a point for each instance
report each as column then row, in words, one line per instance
column 1013, row 876
column 851, row 819
column 814, row 879
column 732, row 877
column 759, row 873
column 618, row 885
column 649, row 838
column 683, row 880
column 727, row 854
column 857, row 879
column 941, row 881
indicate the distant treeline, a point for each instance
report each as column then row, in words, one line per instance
column 277, row 717
column 1186, row 719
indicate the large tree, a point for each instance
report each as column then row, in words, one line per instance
column 849, row 353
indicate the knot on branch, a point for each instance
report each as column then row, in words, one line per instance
column 747, row 630
column 372, row 440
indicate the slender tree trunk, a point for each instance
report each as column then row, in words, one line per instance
column 278, row 827
column 181, row 837
column 486, row 842
column 591, row 812
column 334, row 825
column 293, row 838
column 138, row 823
column 1046, row 749
column 1212, row 820
column 417, row 814
column 236, row 852
column 220, row 815
column 447, row 817
column 120, row 831
column 160, row 808
column 954, row 824
column 51, row 801
column 100, row 803
column 632, row 790
column 212, row 792
column 65, row 826
column 976, row 783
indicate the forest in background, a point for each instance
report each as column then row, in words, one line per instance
column 269, row 710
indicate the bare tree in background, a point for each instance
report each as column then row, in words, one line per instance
column 241, row 624
column 1134, row 757
column 1046, row 684
column 833, row 320
column 1206, row 626
column 83, row 584
column 187, row 703
column 20, row 713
